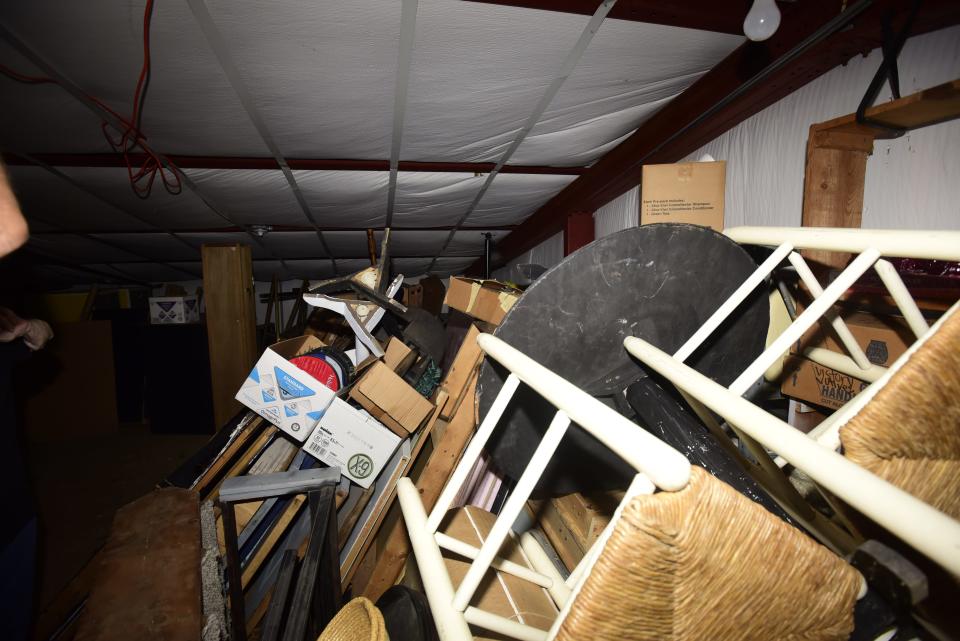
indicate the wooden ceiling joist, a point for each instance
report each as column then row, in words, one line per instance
column 668, row 137
column 308, row 164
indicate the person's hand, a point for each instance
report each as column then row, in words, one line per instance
column 38, row 334
column 12, row 326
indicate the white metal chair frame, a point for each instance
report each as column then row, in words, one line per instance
column 660, row 466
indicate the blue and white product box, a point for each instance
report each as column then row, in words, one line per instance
column 354, row 441
column 174, row 310
column 285, row 395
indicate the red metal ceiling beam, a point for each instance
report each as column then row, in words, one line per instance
column 708, row 15
column 276, row 228
column 619, row 170
column 231, row 162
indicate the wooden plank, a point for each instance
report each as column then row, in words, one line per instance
column 438, row 469
column 231, row 323
column 270, row 542
column 246, row 458
column 587, row 515
column 239, row 443
column 832, row 193
column 457, row 379
column 921, row 109
column 565, row 542
column 355, row 510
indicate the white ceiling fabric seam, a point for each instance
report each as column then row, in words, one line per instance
column 569, row 63
column 408, row 29
column 221, row 51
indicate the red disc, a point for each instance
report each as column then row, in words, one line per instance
column 319, row 369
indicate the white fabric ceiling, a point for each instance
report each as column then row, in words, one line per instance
column 322, row 78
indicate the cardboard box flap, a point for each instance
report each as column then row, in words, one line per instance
column 391, row 400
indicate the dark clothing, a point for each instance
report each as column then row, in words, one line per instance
column 18, row 560
column 17, row 500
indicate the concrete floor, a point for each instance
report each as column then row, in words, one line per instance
column 80, row 484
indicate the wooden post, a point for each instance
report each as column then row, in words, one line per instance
column 833, row 185
column 231, row 323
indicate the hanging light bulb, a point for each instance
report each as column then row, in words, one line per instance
column 762, row 20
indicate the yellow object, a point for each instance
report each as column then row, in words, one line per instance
column 359, row 620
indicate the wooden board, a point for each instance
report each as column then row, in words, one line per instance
column 921, row 109
column 248, row 432
column 279, row 529
column 832, row 192
column 231, row 323
column 457, row 378
column 438, row 469
column 564, row 541
column 837, row 152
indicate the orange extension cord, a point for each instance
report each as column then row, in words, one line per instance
column 142, row 177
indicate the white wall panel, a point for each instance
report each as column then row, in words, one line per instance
column 911, row 182
column 620, row 213
column 548, row 253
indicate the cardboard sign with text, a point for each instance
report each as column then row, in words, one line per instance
column 686, row 192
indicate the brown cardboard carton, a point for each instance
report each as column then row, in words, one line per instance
column 811, row 382
column 686, row 192
column 390, row 400
column 505, row 595
column 398, row 356
column 485, row 300
column 883, row 338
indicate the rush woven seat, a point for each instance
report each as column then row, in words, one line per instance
column 909, row 433
column 359, row 620
column 708, row 563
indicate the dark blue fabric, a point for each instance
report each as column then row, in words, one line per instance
column 17, row 576
column 17, row 500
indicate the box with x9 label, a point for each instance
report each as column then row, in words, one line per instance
column 354, row 441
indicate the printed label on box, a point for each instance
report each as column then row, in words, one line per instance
column 286, row 396
column 354, row 441
column 174, row 310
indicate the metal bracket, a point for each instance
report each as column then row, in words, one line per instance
column 888, row 72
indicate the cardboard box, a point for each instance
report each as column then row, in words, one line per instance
column 286, row 396
column 506, row 595
column 174, row 310
column 686, row 192
column 391, row 400
column 883, row 338
column 486, row 300
column 813, row 383
column 398, row 356
column 354, row 441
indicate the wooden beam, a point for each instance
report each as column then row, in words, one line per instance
column 307, row 164
column 668, row 135
column 231, row 323
column 837, row 151
column 439, row 467
column 724, row 17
